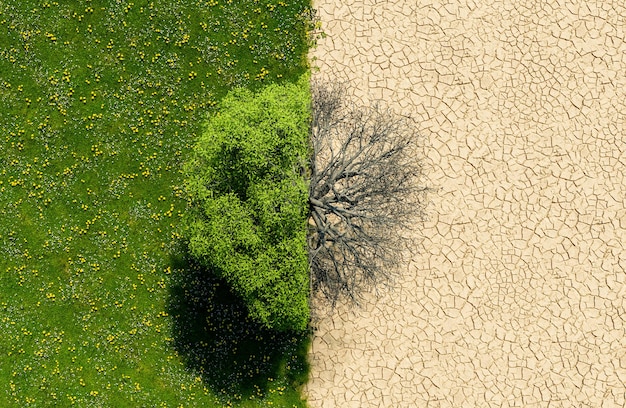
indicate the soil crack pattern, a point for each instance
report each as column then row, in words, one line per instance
column 516, row 295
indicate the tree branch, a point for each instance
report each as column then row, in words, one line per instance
column 363, row 191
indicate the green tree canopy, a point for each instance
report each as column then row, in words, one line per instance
column 249, row 200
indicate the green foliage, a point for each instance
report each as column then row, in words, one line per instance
column 248, row 197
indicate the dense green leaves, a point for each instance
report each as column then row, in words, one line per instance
column 248, row 200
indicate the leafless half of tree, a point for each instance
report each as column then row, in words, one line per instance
column 364, row 194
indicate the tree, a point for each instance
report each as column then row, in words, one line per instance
column 247, row 218
column 290, row 187
column 363, row 193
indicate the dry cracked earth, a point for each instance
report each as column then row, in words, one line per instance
column 516, row 294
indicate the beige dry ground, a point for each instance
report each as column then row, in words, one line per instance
column 517, row 295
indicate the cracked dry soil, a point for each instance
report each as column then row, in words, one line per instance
column 516, row 296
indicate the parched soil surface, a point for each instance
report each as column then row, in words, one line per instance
column 516, row 296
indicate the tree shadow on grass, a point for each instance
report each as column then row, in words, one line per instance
column 212, row 332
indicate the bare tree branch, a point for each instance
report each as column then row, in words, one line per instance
column 363, row 192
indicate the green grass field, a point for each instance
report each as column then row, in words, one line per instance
column 100, row 104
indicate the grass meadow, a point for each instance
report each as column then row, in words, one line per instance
column 100, row 104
